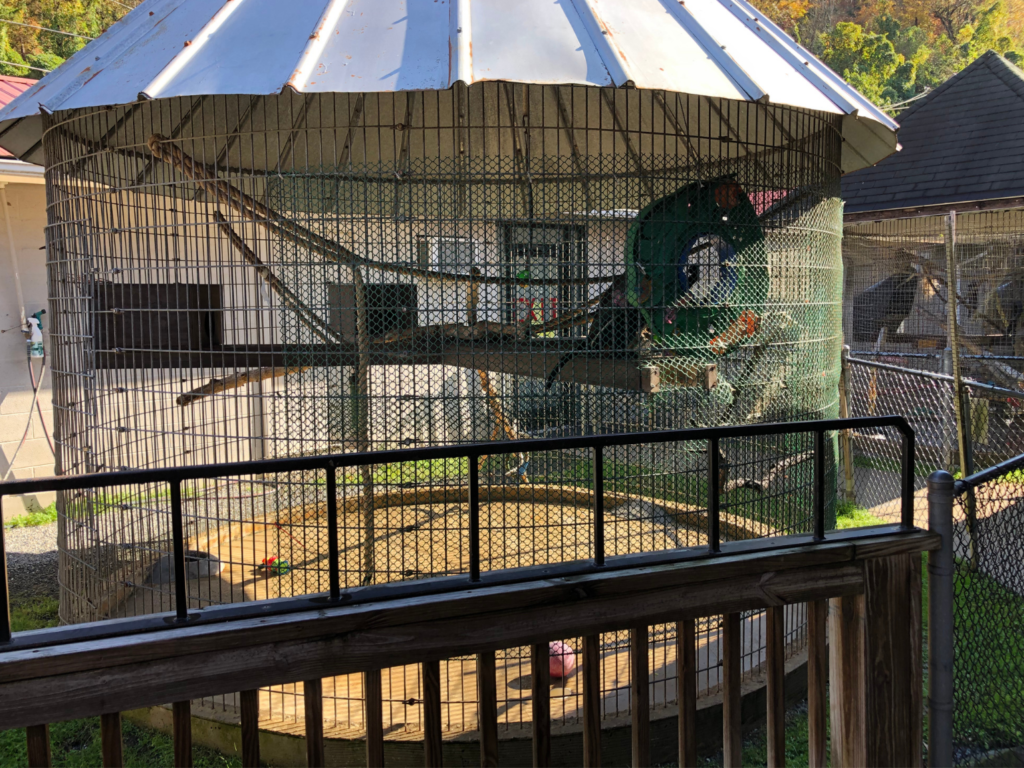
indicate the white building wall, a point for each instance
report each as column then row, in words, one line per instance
column 26, row 209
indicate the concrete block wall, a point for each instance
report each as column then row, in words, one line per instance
column 26, row 208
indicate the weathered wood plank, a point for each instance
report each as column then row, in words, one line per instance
column 775, row 653
column 591, row 674
column 540, row 672
column 181, row 725
column 487, row 698
column 847, row 650
column 111, row 744
column 374, row 708
column 892, row 600
column 640, row 697
column 137, row 640
column 249, row 705
column 514, row 615
column 313, row 702
column 732, row 672
column 817, row 682
column 432, row 726
column 37, row 742
column 686, row 682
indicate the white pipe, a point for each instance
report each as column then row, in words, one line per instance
column 14, row 254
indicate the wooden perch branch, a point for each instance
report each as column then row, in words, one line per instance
column 777, row 469
column 249, row 208
column 236, row 381
column 305, row 315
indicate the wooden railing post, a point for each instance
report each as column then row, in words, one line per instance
column 732, row 671
column 640, row 695
column 775, row 653
column 876, row 670
column 313, row 699
column 591, row 674
column 373, row 694
column 249, row 702
column 111, row 744
column 817, row 683
column 432, row 727
column 892, row 587
column 37, row 738
column 541, row 677
column 181, row 725
column 487, row 712
column 847, row 671
column 686, row 693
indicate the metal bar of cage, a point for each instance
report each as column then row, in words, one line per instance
column 174, row 476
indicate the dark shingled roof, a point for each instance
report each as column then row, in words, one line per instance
column 962, row 142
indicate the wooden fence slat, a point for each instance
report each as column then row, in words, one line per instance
column 591, row 673
column 640, row 695
column 540, row 658
column 181, row 726
column 893, row 627
column 686, row 691
column 249, row 703
column 776, row 662
column 37, row 742
column 313, row 698
column 374, row 694
column 487, row 712
column 817, row 681
column 732, row 733
column 111, row 745
column 432, row 744
column 847, row 648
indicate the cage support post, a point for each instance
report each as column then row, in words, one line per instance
column 362, row 399
column 960, row 404
column 940, row 621
column 844, row 413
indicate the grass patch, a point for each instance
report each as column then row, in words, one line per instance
column 849, row 515
column 38, row 613
column 76, row 743
column 42, row 517
column 988, row 662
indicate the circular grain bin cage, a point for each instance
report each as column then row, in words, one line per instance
column 366, row 225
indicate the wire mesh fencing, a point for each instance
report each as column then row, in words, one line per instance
column 992, row 430
column 988, row 615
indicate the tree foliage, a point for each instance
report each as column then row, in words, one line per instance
column 43, row 50
column 894, row 50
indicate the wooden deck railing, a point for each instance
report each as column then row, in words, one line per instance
column 871, row 579
column 863, row 590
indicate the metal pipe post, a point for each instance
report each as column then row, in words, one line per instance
column 940, row 622
column 5, row 595
column 844, row 413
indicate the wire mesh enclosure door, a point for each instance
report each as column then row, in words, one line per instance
column 257, row 277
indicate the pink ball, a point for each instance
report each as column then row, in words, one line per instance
column 563, row 660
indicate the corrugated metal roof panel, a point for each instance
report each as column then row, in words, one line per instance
column 714, row 48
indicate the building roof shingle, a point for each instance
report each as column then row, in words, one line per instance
column 963, row 142
column 10, row 89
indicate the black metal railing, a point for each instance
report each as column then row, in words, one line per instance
column 174, row 476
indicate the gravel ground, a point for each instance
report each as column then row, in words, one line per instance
column 32, row 561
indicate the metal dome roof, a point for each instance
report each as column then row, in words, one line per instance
column 713, row 48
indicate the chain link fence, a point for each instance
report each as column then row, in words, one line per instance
column 992, row 426
column 927, row 301
column 988, row 616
